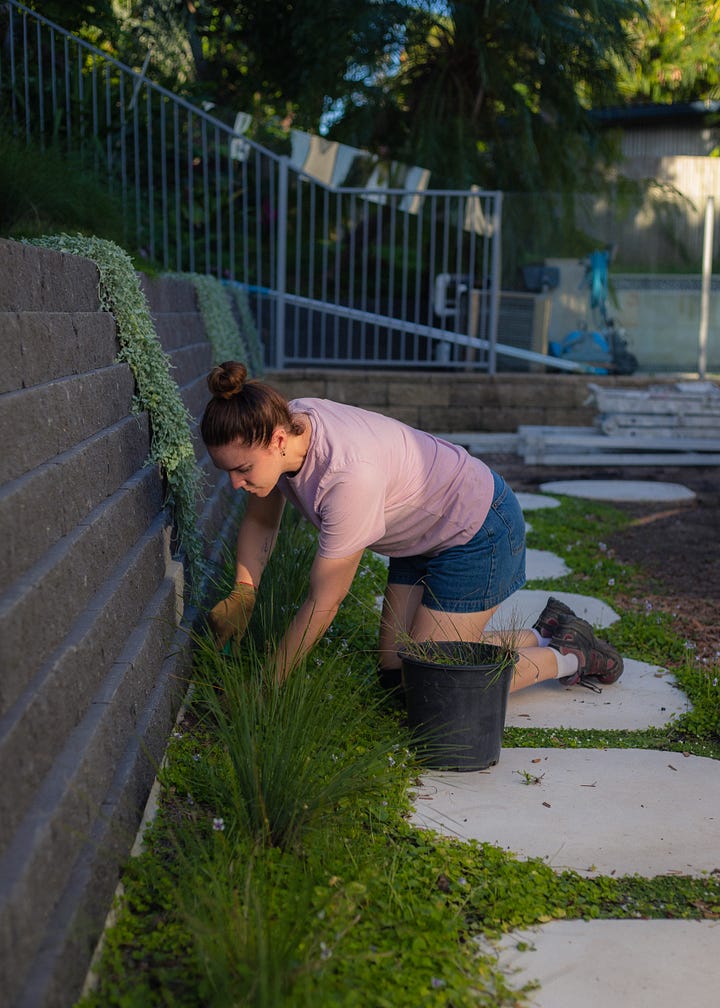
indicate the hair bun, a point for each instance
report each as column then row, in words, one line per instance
column 227, row 379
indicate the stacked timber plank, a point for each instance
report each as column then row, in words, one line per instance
column 682, row 410
column 673, row 424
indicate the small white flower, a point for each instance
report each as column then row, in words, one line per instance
column 218, row 825
column 611, row 581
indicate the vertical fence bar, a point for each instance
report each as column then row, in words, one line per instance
column 230, row 185
column 26, row 68
column 190, row 192
column 41, row 88
column 245, row 220
column 259, row 272
column 312, row 211
column 150, row 171
column 123, row 151
column 324, row 267
column 164, row 186
column 378, row 276
column 352, row 219
column 280, row 261
column 136, row 170
column 417, row 297
column 337, row 292
column 392, row 266
column 95, row 119
column 68, row 116
column 218, row 209
column 297, row 187
column 13, row 79
column 495, row 283
column 108, row 124
column 177, row 185
column 206, row 217
column 53, row 79
column 81, row 104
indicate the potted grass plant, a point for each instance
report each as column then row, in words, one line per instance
column 456, row 693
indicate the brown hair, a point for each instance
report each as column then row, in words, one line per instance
column 243, row 408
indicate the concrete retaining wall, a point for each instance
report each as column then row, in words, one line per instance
column 460, row 401
column 92, row 652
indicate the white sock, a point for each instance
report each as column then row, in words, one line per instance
column 567, row 664
column 541, row 641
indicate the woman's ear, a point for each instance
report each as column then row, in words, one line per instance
column 279, row 439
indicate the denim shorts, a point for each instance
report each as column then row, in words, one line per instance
column 482, row 573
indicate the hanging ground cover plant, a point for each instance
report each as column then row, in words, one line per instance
column 228, row 340
column 157, row 393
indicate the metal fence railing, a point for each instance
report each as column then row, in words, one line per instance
column 337, row 276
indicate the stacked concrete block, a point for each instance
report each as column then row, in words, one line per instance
column 94, row 650
column 181, row 331
column 444, row 401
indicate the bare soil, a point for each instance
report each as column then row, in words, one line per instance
column 675, row 546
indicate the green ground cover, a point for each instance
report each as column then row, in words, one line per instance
column 281, row 869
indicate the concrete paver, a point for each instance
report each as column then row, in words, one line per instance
column 597, row 811
column 524, row 607
column 620, row 490
column 644, row 697
column 534, row 502
column 611, row 963
column 543, row 564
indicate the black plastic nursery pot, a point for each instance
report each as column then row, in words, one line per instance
column 457, row 696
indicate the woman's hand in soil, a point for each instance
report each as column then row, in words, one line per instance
column 230, row 617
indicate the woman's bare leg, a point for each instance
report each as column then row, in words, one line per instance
column 535, row 664
column 400, row 605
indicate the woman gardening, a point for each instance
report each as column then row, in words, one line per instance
column 452, row 529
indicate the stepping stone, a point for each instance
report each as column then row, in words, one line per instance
column 541, row 564
column 524, row 607
column 620, row 490
column 597, row 811
column 644, row 697
column 614, row 963
column 534, row 502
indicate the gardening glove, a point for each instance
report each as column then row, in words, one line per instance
column 230, row 617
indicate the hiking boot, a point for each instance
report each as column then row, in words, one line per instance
column 598, row 661
column 549, row 619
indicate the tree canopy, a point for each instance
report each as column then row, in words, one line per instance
column 493, row 92
column 675, row 53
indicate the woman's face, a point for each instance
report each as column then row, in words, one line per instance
column 250, row 467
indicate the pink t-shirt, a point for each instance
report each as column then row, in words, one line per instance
column 371, row 481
